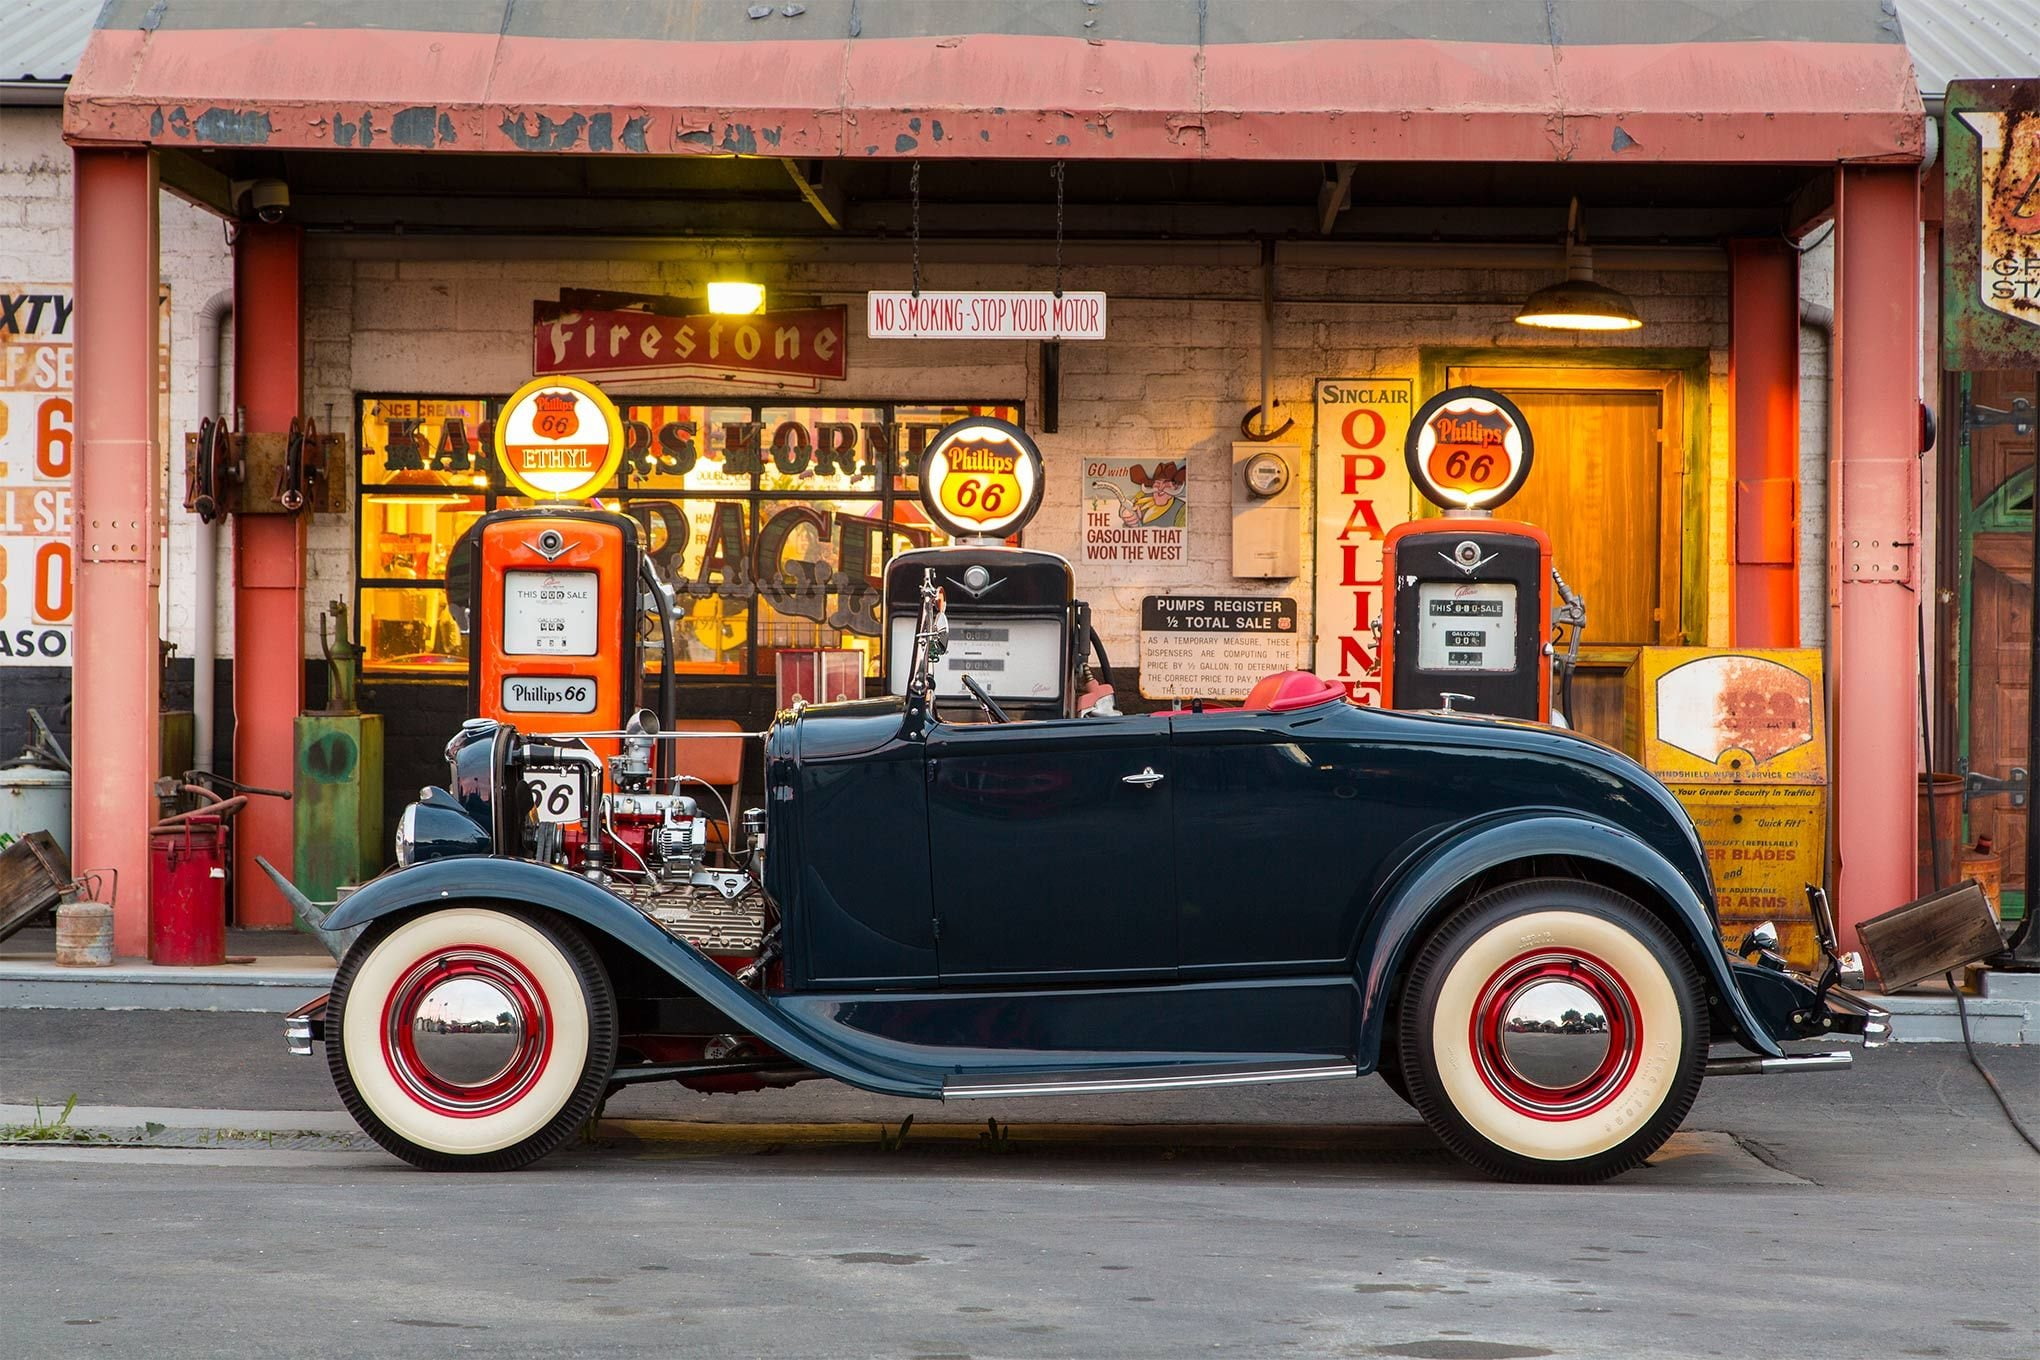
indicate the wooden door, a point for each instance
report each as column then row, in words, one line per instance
column 1594, row 488
column 1998, row 629
column 1607, row 491
column 2001, row 653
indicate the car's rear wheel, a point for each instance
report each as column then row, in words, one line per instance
column 471, row 1038
column 1553, row 1030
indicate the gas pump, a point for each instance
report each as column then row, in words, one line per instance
column 551, row 595
column 554, row 641
column 1017, row 632
column 1470, row 595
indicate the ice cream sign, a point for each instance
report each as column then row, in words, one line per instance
column 560, row 439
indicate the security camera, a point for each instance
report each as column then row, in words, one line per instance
column 270, row 199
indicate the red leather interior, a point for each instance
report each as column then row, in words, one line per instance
column 1285, row 691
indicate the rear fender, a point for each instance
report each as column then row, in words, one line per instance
column 445, row 882
column 1427, row 890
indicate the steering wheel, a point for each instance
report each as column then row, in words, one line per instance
column 984, row 700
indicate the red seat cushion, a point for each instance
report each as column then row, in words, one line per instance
column 1285, row 691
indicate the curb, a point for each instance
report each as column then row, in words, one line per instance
column 1931, row 1018
column 145, row 987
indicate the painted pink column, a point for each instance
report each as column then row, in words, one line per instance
column 115, row 679
column 1873, row 568
column 269, row 568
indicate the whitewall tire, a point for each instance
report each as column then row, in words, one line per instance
column 1553, row 1030
column 471, row 1037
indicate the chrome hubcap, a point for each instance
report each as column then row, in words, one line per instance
column 467, row 1031
column 1554, row 1035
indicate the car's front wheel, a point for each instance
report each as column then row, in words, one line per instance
column 471, row 1038
column 1553, row 1030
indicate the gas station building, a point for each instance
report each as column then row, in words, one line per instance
column 1301, row 217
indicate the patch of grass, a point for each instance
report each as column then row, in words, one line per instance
column 889, row 1141
column 56, row 1130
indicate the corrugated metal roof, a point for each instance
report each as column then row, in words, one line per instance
column 43, row 41
column 1970, row 40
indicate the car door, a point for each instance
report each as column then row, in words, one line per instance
column 1283, row 824
column 1050, row 850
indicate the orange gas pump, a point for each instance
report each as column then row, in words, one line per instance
column 552, row 593
column 1470, row 596
column 554, row 639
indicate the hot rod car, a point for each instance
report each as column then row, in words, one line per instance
column 1510, row 924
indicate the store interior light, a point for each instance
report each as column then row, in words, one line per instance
column 735, row 297
column 1579, row 303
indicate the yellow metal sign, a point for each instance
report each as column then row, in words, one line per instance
column 981, row 478
column 1765, row 843
column 559, row 438
column 1742, row 716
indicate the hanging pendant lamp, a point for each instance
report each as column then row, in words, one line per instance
column 1579, row 303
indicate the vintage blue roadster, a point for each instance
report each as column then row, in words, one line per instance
column 1510, row 924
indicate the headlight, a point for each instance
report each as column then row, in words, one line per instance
column 407, row 836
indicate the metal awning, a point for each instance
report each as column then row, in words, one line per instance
column 1674, row 81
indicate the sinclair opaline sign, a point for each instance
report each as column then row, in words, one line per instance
column 1468, row 448
column 559, row 439
column 981, row 478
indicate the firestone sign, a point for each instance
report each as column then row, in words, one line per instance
column 792, row 348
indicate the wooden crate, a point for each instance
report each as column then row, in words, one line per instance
column 34, row 873
column 1930, row 936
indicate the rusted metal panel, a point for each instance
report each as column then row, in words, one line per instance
column 1740, row 738
column 1990, row 287
column 1748, row 715
column 998, row 95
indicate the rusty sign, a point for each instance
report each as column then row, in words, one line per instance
column 1991, row 283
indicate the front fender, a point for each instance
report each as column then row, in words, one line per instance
column 1416, row 900
column 441, row 883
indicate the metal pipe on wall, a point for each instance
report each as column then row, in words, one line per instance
column 205, row 621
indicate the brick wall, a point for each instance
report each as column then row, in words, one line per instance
column 1180, row 368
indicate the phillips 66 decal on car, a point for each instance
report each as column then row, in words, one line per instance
column 559, row 438
column 981, row 478
column 1468, row 448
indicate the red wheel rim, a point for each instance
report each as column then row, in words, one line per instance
column 408, row 1014
column 1501, row 1029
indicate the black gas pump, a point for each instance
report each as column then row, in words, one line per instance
column 1016, row 628
column 1471, row 596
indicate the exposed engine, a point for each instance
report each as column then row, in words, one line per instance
column 661, row 851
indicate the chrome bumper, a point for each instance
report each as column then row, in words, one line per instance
column 1754, row 1066
column 1851, row 1014
column 305, row 1027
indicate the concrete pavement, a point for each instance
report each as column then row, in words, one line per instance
column 1886, row 1211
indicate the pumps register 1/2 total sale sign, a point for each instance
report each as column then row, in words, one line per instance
column 38, row 420
column 1213, row 646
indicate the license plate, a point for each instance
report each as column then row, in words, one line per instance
column 556, row 797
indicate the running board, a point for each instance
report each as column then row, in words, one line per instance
column 1792, row 1062
column 1109, row 1081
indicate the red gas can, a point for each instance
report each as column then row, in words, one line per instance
column 188, row 893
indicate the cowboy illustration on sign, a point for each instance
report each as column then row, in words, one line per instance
column 1134, row 510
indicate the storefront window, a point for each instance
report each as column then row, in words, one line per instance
column 774, row 522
